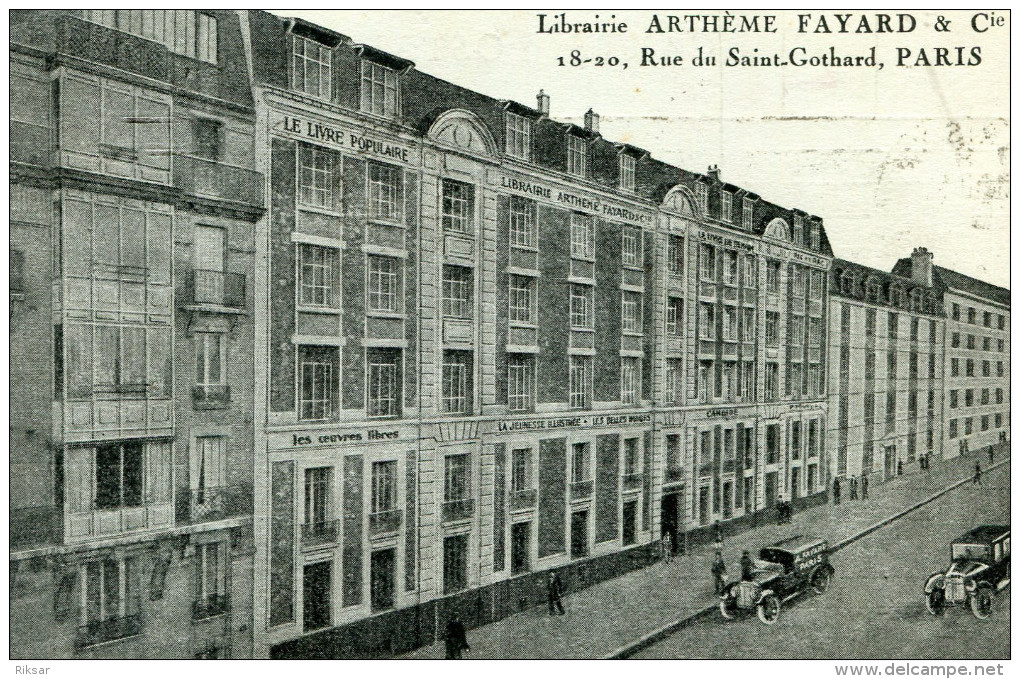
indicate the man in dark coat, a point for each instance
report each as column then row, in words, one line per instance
column 853, row 487
column 977, row 474
column 746, row 566
column 456, row 637
column 864, row 486
column 835, row 491
column 991, row 455
column 719, row 572
column 554, row 588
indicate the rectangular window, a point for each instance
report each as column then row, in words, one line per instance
column 984, row 423
column 319, row 382
column 729, row 267
column 183, row 31
column 914, row 327
column 952, row 429
column 729, row 381
column 206, row 40
column 893, row 325
column 210, row 580
column 582, row 236
column 954, row 398
column 968, row 397
column 520, row 382
column 956, row 312
column 119, row 474
column 210, row 359
column 457, row 288
column 987, row 319
column 707, row 257
column 523, row 222
column 673, row 375
column 384, row 382
column 954, row 367
column 457, row 382
column 729, row 326
column 771, row 381
column 726, row 206
column 748, row 324
column 674, row 316
column 705, row 374
column 627, row 166
column 518, row 136
column 580, row 381
column 457, row 477
column 632, row 251
column 675, row 255
column 890, row 365
column 706, row 320
column 316, row 176
column 312, row 68
column 798, row 280
column 771, row 443
column 580, row 462
column 316, row 275
column 747, row 382
column 384, row 486
column 968, row 426
column 631, row 306
column 581, row 317
column 521, row 298
column 458, row 206
column 383, row 284
column 986, row 343
column 385, row 192
column 631, row 457
column 380, row 91
column 772, row 276
column 577, row 156
column 986, row 368
column 970, row 367
column 318, row 498
column 772, row 328
column 750, row 272
column 869, row 365
column 520, row 470
column 630, row 380
column 984, row 397
column 956, row 340
column 971, row 342
column 971, row 315
column 112, row 591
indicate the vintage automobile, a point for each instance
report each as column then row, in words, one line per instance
column 781, row 572
column 979, row 567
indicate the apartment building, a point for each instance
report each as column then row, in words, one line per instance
column 133, row 204
column 886, row 347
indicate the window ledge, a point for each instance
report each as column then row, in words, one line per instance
column 387, row 222
column 318, row 209
column 398, row 315
column 526, row 248
column 309, row 309
column 214, row 309
column 574, row 329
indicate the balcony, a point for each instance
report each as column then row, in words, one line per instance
column 633, row 481
column 210, row 396
column 581, row 490
column 674, row 475
column 216, row 288
column 319, row 533
column 214, row 504
column 385, row 522
column 209, row 606
column 458, row 510
column 210, row 179
column 111, row 629
column 523, row 499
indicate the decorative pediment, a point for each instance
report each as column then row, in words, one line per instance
column 680, row 200
column 462, row 130
column 778, row 229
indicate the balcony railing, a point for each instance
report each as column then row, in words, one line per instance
column 209, row 606
column 674, row 474
column 523, row 499
column 456, row 510
column 210, row 395
column 210, row 179
column 111, row 629
column 215, row 504
column 218, row 288
column 385, row 522
column 579, row 490
column 633, row 481
column 320, row 533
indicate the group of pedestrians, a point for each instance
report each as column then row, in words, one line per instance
column 857, row 489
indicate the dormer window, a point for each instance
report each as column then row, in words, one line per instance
column 627, row 166
column 816, row 237
column 380, row 92
column 726, row 206
column 577, row 156
column 748, row 214
column 312, row 68
column 518, row 136
column 701, row 193
column 798, row 230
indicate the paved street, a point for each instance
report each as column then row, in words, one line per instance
column 875, row 607
column 612, row 614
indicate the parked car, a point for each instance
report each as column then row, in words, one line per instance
column 781, row 572
column 978, row 568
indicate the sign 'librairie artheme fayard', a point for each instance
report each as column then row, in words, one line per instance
column 518, row 334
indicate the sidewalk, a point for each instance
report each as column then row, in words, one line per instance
column 607, row 616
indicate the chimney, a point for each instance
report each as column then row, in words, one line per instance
column 713, row 172
column 543, row 102
column 920, row 266
column 591, row 121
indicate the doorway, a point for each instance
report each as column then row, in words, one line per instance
column 520, row 548
column 317, row 592
column 890, row 461
column 771, row 488
column 579, row 534
column 383, row 579
column 703, row 511
column 670, row 513
column 794, row 483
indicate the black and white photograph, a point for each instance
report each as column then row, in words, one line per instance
column 510, row 335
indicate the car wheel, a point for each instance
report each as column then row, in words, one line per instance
column 728, row 607
column 935, row 601
column 768, row 609
column 820, row 580
column 981, row 601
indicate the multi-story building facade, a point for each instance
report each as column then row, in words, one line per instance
column 133, row 204
column 485, row 331
column 976, row 349
column 886, row 357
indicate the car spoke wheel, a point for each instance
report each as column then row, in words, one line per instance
column 935, row 602
column 820, row 580
column 981, row 602
column 728, row 607
column 768, row 609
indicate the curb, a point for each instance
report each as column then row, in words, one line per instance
column 669, row 628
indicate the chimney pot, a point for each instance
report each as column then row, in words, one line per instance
column 543, row 102
column 921, row 266
column 591, row 121
column 713, row 172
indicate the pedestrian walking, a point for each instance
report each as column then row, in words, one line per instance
column 853, row 487
column 719, row 572
column 977, row 474
column 456, row 637
column 864, row 487
column 667, row 547
column 554, row 588
column 718, row 536
column 746, row 566
column 991, row 455
column 835, row 491
column 899, row 467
